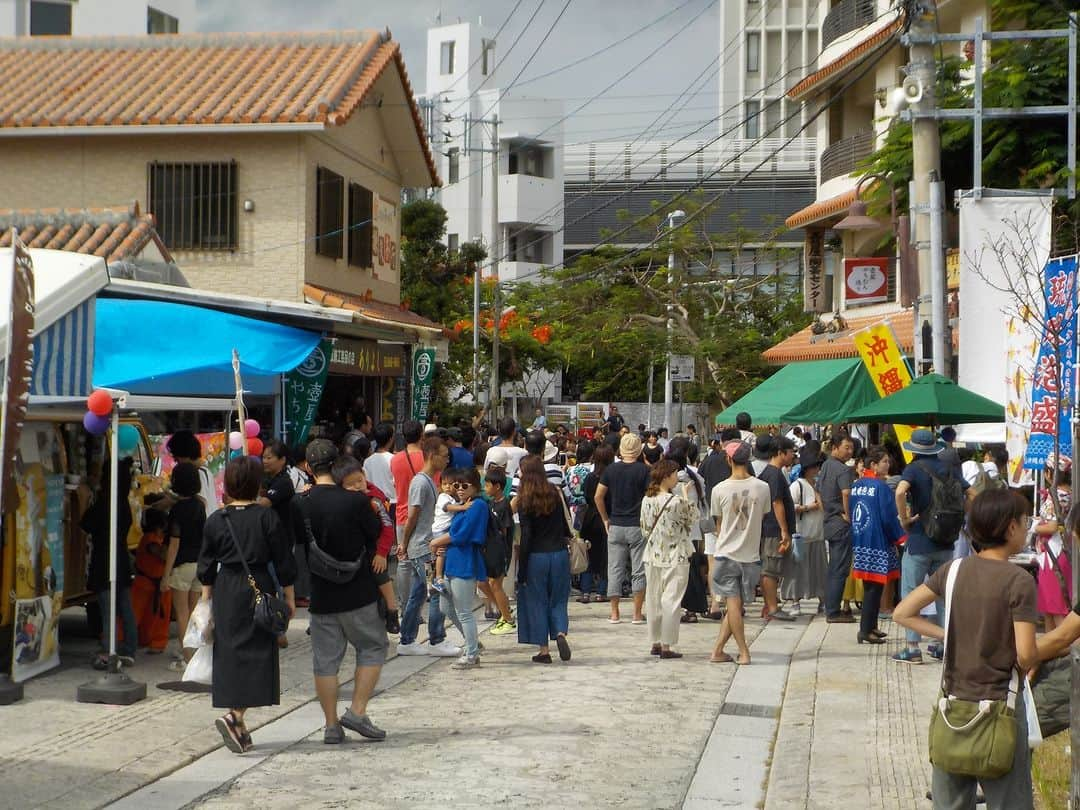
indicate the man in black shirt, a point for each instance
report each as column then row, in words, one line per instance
column 346, row 527
column 777, row 525
column 626, row 481
column 614, row 420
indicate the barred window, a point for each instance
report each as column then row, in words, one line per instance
column 194, row 204
column 329, row 213
column 360, row 230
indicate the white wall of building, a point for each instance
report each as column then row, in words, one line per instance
column 464, row 91
column 99, row 17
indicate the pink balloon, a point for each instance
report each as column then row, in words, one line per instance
column 236, row 440
column 251, row 428
column 96, row 424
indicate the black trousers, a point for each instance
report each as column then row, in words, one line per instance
column 871, row 606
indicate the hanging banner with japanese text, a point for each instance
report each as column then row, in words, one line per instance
column 303, row 391
column 1053, row 380
column 816, row 296
column 884, row 361
column 423, row 376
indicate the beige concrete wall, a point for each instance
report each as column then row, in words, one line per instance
column 75, row 172
column 362, row 152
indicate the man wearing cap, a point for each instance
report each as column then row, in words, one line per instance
column 343, row 614
column 922, row 556
column 738, row 505
column 626, row 482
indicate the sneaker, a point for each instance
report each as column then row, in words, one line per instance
column 126, row 660
column 503, row 628
column 438, row 585
column 796, row 608
column 491, row 615
column 333, row 735
column 908, row 656
column 935, row 651
column 416, row 648
column 465, row 662
column 362, row 725
column 444, row 649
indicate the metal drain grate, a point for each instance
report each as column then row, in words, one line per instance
column 750, row 710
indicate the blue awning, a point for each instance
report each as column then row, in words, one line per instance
column 62, row 364
column 152, row 347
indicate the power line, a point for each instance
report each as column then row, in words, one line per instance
column 477, row 60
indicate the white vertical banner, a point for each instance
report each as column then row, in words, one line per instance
column 1004, row 244
column 1022, row 346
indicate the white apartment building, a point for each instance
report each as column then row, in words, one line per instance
column 95, row 17
column 462, row 95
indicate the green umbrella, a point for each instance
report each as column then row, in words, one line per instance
column 930, row 400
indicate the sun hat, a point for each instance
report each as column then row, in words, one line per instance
column 551, row 452
column 810, row 459
column 924, row 443
column 630, row 446
column 497, row 456
column 321, row 452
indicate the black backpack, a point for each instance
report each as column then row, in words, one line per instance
column 495, row 551
column 944, row 516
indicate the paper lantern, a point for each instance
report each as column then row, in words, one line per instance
column 99, row 403
column 236, row 440
column 255, row 447
column 96, row 424
column 251, row 428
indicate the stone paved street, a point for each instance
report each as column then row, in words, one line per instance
column 816, row 721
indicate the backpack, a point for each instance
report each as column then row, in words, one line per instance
column 984, row 482
column 944, row 517
column 494, row 544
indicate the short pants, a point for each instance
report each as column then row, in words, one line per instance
column 731, row 578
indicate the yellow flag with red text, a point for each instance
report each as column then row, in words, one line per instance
column 884, row 362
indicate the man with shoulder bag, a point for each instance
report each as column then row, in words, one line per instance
column 344, row 529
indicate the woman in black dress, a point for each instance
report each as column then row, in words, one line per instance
column 592, row 529
column 246, row 669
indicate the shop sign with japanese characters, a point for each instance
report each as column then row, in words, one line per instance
column 1053, row 381
column 866, row 281
column 816, row 296
column 884, row 362
column 303, row 392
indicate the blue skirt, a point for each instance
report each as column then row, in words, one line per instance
column 542, row 599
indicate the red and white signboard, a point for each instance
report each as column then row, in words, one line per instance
column 866, row 281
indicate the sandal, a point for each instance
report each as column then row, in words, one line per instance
column 688, row 618
column 722, row 658
column 230, row 732
column 715, row 615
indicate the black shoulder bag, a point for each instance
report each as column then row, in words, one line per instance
column 269, row 612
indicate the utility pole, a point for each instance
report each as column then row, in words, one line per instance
column 494, row 400
column 669, row 391
column 926, row 138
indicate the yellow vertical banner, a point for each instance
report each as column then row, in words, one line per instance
column 884, row 362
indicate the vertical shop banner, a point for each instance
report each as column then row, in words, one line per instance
column 884, row 361
column 303, row 392
column 816, row 296
column 1053, row 379
column 18, row 358
column 53, row 569
column 36, row 649
column 423, row 376
column 1021, row 347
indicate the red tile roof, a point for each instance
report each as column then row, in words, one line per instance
column 112, row 233
column 805, row 345
column 846, row 59
column 820, row 210
column 370, row 310
column 196, row 79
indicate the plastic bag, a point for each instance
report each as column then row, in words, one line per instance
column 200, row 668
column 200, row 629
column 1034, row 732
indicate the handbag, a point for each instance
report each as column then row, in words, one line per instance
column 579, row 552
column 269, row 612
column 328, row 567
column 660, row 514
column 968, row 737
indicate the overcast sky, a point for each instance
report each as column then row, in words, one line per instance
column 586, row 27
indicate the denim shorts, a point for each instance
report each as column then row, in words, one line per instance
column 732, row 578
column 332, row 633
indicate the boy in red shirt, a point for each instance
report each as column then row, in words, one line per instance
column 151, row 605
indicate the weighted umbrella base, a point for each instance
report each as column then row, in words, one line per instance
column 10, row 691
column 114, row 688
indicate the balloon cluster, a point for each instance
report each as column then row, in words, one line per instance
column 250, row 438
column 98, row 414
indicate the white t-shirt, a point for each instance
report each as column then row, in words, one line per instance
column 208, row 490
column 514, row 455
column 811, row 525
column 377, row 470
column 970, row 470
column 740, row 503
column 441, row 524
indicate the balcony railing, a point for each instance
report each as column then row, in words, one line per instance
column 845, row 16
column 842, row 157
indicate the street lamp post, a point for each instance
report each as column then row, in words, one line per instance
column 668, row 387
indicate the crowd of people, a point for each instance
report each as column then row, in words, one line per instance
column 676, row 530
